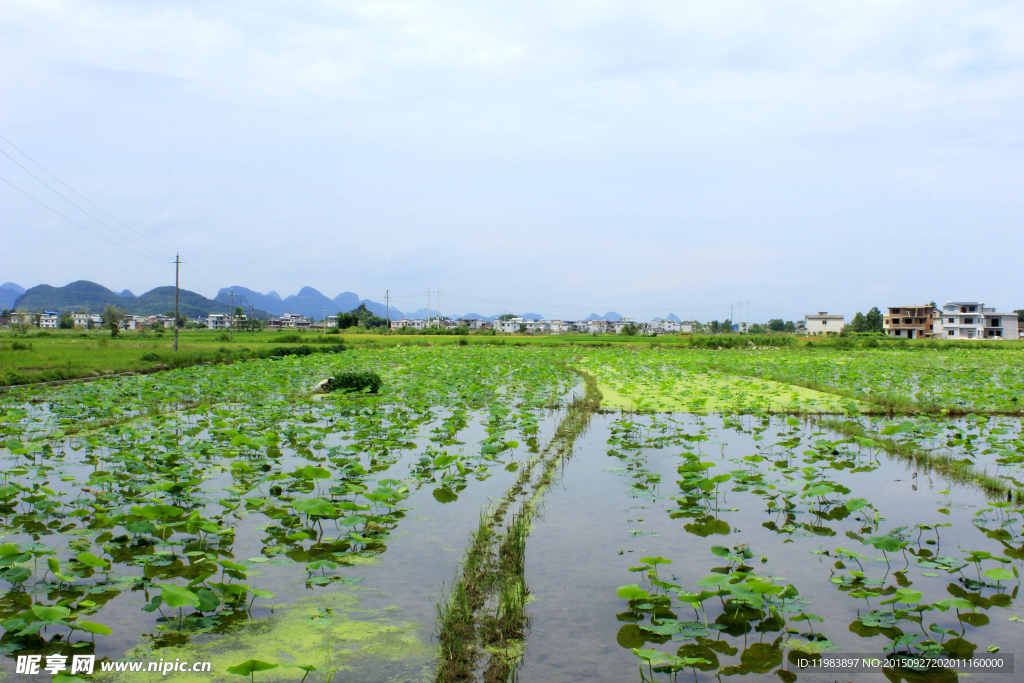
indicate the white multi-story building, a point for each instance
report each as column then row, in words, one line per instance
column 49, row 319
column 823, row 324
column 972, row 320
column 537, row 325
column 218, row 321
column 82, row 319
column 620, row 325
column 414, row 324
column 511, row 325
column 665, row 326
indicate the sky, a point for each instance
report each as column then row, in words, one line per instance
column 558, row 157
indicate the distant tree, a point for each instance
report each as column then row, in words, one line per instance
column 507, row 316
column 347, row 320
column 776, row 325
column 789, row 327
column 522, row 327
column 1020, row 315
column 874, row 320
column 630, row 330
column 65, row 322
column 367, row 318
column 757, row 328
column 714, row 327
column 111, row 317
column 727, row 327
column 859, row 323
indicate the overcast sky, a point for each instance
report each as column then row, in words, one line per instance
column 557, row 157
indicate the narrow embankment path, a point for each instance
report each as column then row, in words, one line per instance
column 483, row 621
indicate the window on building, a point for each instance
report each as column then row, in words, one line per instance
column 972, row 309
column 952, row 333
column 950, row 320
column 969, row 321
column 996, row 322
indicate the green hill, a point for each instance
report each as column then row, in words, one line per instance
column 73, row 297
column 83, row 294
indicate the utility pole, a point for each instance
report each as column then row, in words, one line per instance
column 387, row 310
column 428, row 306
column 177, row 265
column 438, row 307
column 231, row 319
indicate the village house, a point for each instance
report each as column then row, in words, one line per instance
column 290, row 321
column 511, row 325
column 414, row 324
column 218, row 321
column 823, row 324
column 913, row 322
column 133, row 322
column 972, row 320
column 49, row 319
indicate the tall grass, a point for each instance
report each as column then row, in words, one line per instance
column 483, row 620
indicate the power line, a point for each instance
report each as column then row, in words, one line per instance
column 80, row 208
column 79, row 194
column 203, row 279
column 139, row 253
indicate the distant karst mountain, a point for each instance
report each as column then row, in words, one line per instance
column 80, row 295
column 9, row 292
column 610, row 315
column 308, row 302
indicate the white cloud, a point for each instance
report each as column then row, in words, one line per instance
column 424, row 142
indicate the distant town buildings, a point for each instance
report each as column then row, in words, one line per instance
column 968, row 320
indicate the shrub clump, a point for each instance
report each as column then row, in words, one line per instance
column 149, row 357
column 355, row 381
column 304, row 350
column 732, row 341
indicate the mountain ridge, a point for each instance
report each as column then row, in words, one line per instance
column 83, row 294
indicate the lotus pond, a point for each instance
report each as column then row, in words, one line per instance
column 723, row 513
